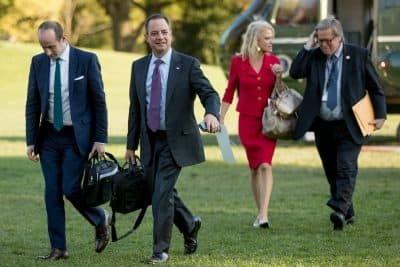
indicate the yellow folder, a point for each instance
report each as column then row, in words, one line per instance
column 364, row 113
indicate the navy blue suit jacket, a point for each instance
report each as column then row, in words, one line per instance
column 87, row 99
column 185, row 81
column 358, row 75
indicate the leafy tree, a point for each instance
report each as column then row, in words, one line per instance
column 5, row 6
column 201, row 20
column 86, row 23
column 127, row 23
column 20, row 23
column 197, row 24
column 201, row 26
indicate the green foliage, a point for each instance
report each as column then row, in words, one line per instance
column 201, row 26
column 119, row 24
column 91, row 26
column 4, row 6
column 20, row 23
column 84, row 21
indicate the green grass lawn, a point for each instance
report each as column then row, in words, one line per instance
column 301, row 234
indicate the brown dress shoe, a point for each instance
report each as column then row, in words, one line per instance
column 103, row 234
column 55, row 254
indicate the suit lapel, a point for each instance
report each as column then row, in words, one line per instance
column 44, row 78
column 321, row 72
column 175, row 70
column 345, row 65
column 73, row 62
column 141, row 68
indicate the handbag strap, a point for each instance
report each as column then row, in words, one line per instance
column 279, row 87
column 138, row 221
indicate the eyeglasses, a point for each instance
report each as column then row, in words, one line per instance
column 328, row 41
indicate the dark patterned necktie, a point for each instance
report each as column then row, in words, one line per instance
column 153, row 116
column 58, row 112
column 332, row 84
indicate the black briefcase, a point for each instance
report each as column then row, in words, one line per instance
column 130, row 192
column 97, row 179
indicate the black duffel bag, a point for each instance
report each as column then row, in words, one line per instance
column 130, row 192
column 97, row 179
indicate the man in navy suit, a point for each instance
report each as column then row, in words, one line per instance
column 171, row 140
column 338, row 76
column 63, row 131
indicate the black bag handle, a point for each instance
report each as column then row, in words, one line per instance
column 137, row 163
column 111, row 156
column 95, row 157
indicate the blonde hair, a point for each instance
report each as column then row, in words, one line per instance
column 251, row 37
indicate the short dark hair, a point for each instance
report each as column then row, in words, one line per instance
column 153, row 17
column 52, row 25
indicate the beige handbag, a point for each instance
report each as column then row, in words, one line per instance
column 287, row 100
column 279, row 123
column 275, row 126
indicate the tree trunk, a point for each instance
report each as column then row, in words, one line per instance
column 121, row 25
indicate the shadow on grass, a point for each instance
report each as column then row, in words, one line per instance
column 211, row 140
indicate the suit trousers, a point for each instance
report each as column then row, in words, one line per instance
column 339, row 155
column 167, row 207
column 62, row 167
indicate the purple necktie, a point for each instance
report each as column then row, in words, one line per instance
column 153, row 116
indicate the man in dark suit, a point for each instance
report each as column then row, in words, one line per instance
column 167, row 129
column 338, row 76
column 66, row 119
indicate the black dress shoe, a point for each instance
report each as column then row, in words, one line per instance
column 338, row 220
column 191, row 239
column 158, row 258
column 103, row 234
column 55, row 254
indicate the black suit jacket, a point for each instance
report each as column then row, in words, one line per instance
column 358, row 75
column 86, row 96
column 185, row 81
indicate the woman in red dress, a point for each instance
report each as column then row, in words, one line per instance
column 252, row 73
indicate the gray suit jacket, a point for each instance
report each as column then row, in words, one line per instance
column 185, row 81
column 358, row 75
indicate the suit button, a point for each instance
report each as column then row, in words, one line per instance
column 258, row 88
column 258, row 78
column 259, row 98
